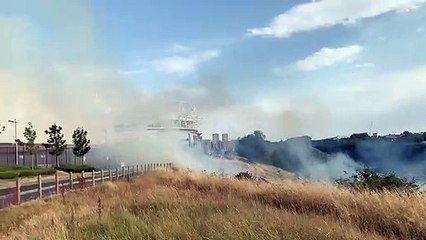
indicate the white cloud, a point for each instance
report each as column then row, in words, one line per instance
column 365, row 65
column 328, row 57
column 132, row 72
column 184, row 64
column 180, row 48
column 326, row 13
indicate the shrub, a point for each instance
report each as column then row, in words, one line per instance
column 369, row 179
column 35, row 172
column 9, row 175
column 244, row 175
column 75, row 168
column 10, row 172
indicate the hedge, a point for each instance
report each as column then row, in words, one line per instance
column 75, row 168
column 10, row 172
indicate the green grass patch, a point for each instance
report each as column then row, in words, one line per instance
column 75, row 168
column 11, row 172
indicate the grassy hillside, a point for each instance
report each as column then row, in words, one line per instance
column 182, row 205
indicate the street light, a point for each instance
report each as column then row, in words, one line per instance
column 16, row 141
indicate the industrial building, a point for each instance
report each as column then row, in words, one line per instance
column 41, row 158
column 219, row 147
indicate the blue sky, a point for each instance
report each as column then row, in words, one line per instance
column 321, row 68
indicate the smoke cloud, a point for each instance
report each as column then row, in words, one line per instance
column 69, row 78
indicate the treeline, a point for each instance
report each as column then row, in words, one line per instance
column 283, row 154
column 376, row 151
column 55, row 142
column 407, row 148
column 383, row 158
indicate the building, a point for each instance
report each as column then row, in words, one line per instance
column 41, row 158
column 225, row 137
column 217, row 147
column 207, row 146
column 216, row 142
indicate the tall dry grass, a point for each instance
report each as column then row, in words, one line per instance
column 182, row 205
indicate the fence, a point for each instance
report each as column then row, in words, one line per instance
column 41, row 189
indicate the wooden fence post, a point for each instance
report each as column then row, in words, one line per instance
column 18, row 191
column 133, row 171
column 144, row 168
column 40, row 187
column 82, row 182
column 123, row 172
column 116, row 173
column 110, row 175
column 137, row 169
column 56, row 183
column 128, row 173
column 102, row 176
column 71, row 181
column 93, row 178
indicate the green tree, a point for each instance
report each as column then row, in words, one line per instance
column 56, row 141
column 259, row 134
column 81, row 143
column 30, row 134
column 253, row 146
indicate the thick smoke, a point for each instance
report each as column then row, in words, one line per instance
column 70, row 80
column 330, row 159
column 403, row 158
column 312, row 164
column 64, row 75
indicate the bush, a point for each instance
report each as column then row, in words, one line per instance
column 244, row 175
column 9, row 175
column 35, row 172
column 10, row 172
column 369, row 179
column 75, row 168
column 12, row 168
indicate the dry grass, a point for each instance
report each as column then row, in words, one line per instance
column 181, row 205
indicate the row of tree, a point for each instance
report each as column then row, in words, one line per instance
column 56, row 143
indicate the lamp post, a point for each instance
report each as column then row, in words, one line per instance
column 16, row 141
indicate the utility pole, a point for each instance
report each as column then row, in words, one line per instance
column 16, row 141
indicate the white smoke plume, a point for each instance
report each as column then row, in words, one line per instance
column 71, row 80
